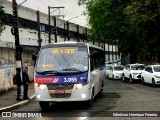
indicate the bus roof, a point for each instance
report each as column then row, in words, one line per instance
column 70, row 43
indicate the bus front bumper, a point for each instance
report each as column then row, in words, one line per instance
column 82, row 94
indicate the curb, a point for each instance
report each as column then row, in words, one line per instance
column 17, row 105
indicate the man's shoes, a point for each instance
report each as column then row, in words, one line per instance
column 18, row 99
column 26, row 99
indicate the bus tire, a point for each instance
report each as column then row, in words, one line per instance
column 89, row 102
column 44, row 105
column 100, row 94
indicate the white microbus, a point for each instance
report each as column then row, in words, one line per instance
column 69, row 71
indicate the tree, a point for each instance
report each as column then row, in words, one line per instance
column 134, row 24
column 145, row 16
column 108, row 22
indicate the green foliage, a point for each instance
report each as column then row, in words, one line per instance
column 2, row 18
column 144, row 15
column 135, row 24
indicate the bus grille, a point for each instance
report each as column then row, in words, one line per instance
column 52, row 87
column 66, row 95
column 60, row 86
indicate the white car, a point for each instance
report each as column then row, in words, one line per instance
column 132, row 72
column 107, row 68
column 116, row 72
column 151, row 75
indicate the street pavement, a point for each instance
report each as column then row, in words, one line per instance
column 8, row 100
column 118, row 97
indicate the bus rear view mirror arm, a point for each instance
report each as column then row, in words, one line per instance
column 94, row 53
column 34, row 56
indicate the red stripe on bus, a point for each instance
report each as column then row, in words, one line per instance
column 46, row 80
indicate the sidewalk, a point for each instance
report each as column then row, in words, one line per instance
column 8, row 100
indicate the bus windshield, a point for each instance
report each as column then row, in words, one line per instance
column 63, row 59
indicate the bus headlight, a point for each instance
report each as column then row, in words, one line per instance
column 79, row 86
column 38, row 96
column 36, row 84
column 42, row 87
column 83, row 95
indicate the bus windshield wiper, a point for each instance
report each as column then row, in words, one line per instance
column 72, row 69
column 48, row 71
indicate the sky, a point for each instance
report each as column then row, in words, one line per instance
column 72, row 11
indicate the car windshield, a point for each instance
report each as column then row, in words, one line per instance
column 118, row 68
column 108, row 67
column 156, row 68
column 62, row 59
column 137, row 67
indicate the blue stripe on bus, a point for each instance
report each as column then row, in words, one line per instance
column 68, row 79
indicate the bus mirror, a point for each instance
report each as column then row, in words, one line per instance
column 34, row 56
column 94, row 53
column 93, row 73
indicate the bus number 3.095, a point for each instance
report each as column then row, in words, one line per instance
column 70, row 79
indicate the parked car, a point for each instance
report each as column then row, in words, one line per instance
column 107, row 68
column 116, row 72
column 132, row 72
column 151, row 75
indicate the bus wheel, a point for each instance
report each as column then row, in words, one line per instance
column 89, row 102
column 100, row 94
column 44, row 105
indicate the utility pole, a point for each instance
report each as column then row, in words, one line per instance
column 39, row 31
column 78, row 33
column 15, row 32
column 49, row 25
column 68, row 33
column 55, row 23
column 64, row 31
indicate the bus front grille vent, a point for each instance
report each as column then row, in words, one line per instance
column 60, row 86
column 66, row 95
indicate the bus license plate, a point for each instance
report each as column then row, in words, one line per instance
column 60, row 92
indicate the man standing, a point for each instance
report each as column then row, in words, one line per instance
column 25, row 83
column 19, row 83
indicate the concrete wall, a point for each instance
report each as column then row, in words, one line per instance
column 7, row 67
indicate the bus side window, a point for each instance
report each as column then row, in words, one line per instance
column 91, row 60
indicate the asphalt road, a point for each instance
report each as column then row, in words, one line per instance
column 117, row 97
